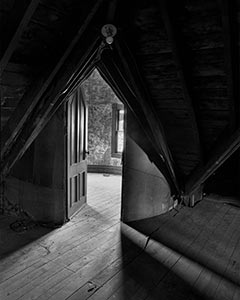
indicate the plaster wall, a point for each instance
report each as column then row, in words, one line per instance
column 36, row 184
column 100, row 136
column 146, row 192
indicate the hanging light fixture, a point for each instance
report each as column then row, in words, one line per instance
column 109, row 31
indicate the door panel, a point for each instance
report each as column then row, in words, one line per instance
column 77, row 143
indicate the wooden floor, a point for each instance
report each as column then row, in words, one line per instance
column 192, row 254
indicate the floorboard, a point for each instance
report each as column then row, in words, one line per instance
column 190, row 254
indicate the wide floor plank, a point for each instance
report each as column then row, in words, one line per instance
column 190, row 254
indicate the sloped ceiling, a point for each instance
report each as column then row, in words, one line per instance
column 186, row 53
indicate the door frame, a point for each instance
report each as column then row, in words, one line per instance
column 66, row 148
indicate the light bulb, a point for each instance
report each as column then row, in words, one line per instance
column 109, row 40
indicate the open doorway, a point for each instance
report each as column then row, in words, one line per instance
column 95, row 145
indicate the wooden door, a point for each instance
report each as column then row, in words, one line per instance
column 76, row 146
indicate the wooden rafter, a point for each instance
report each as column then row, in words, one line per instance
column 110, row 71
column 231, row 60
column 16, row 37
column 77, row 66
column 191, row 106
column 201, row 174
column 231, row 67
column 137, row 86
column 34, row 94
column 223, row 151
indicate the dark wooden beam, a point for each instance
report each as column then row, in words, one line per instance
column 131, row 76
column 229, row 26
column 111, row 71
column 37, row 90
column 144, row 100
column 230, row 30
column 16, row 37
column 230, row 38
column 201, row 174
column 75, row 68
column 175, row 46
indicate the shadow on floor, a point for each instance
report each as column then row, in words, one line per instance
column 147, row 278
column 15, row 233
column 89, row 211
column 208, row 238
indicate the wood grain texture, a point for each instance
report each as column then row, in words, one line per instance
column 191, row 254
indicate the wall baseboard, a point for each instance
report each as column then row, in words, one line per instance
column 117, row 170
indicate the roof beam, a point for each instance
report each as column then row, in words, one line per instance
column 232, row 72
column 37, row 90
column 16, row 37
column 75, row 68
column 190, row 104
column 138, row 87
column 110, row 71
column 201, row 174
column 231, row 59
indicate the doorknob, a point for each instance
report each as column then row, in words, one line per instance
column 87, row 152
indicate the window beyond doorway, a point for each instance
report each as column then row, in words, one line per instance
column 117, row 130
column 105, row 126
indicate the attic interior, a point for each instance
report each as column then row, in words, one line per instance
column 173, row 230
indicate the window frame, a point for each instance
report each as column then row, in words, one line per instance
column 115, row 109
